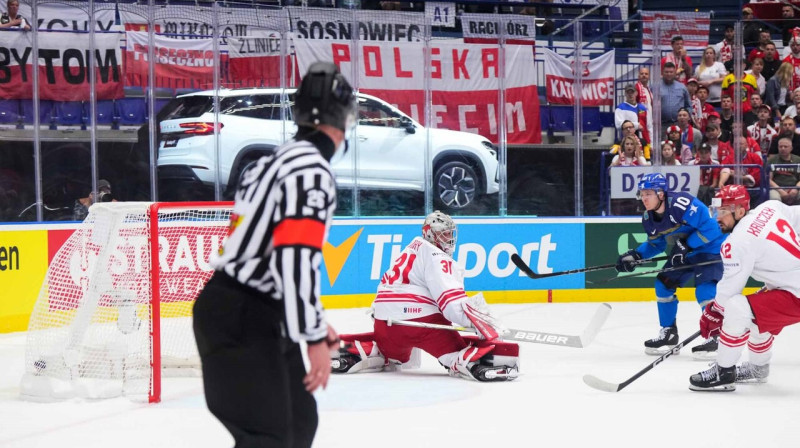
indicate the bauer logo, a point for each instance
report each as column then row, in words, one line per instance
column 546, row 338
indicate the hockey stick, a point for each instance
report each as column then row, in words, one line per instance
column 536, row 337
column 597, row 383
column 517, row 260
column 655, row 271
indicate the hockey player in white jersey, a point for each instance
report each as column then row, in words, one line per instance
column 425, row 285
column 763, row 244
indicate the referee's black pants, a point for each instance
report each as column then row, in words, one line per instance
column 252, row 376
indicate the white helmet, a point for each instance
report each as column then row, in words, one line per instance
column 440, row 230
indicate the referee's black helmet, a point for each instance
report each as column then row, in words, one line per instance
column 325, row 97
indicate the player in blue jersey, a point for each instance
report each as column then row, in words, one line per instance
column 680, row 223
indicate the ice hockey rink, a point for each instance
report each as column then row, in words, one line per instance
column 548, row 406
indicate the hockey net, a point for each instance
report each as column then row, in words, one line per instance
column 115, row 309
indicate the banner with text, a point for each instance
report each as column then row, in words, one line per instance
column 597, row 74
column 692, row 26
column 464, row 82
column 187, row 63
column 684, row 178
column 336, row 24
column 255, row 61
column 71, row 16
column 487, row 29
column 63, row 66
column 182, row 22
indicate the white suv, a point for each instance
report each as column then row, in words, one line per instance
column 388, row 145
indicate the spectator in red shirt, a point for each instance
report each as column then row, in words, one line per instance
column 751, row 174
column 709, row 176
column 719, row 149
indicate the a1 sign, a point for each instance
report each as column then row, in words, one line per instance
column 441, row 14
column 624, row 179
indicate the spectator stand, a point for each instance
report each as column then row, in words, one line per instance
column 758, row 193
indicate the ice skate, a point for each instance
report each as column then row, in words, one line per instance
column 715, row 379
column 748, row 372
column 666, row 340
column 706, row 351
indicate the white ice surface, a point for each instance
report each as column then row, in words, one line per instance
column 549, row 406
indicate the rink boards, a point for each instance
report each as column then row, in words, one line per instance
column 359, row 251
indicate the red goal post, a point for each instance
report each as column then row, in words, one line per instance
column 114, row 312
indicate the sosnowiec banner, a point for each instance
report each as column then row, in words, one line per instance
column 464, row 82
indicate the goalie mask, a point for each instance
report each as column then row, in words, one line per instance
column 440, row 230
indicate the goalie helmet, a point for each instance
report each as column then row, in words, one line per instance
column 325, row 97
column 440, row 230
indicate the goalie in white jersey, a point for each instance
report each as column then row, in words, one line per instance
column 425, row 285
column 763, row 244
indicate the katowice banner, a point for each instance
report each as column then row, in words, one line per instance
column 597, row 74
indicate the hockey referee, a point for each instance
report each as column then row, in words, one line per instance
column 263, row 298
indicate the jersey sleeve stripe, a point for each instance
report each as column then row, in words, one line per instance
column 299, row 232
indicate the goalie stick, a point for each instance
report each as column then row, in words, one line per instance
column 597, row 383
column 517, row 260
column 536, row 337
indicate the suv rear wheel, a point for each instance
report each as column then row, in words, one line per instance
column 455, row 184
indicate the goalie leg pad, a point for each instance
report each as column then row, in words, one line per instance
column 484, row 362
column 357, row 353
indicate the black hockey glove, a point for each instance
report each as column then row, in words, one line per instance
column 627, row 261
column 679, row 254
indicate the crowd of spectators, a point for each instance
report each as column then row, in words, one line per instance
column 700, row 100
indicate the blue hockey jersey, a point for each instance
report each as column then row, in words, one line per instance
column 686, row 218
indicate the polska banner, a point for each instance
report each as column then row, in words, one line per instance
column 598, row 80
column 691, row 26
column 178, row 64
column 464, row 82
column 63, row 66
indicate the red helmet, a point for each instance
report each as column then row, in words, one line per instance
column 732, row 195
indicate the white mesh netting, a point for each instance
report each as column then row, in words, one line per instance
column 94, row 327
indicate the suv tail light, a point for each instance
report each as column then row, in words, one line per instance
column 200, row 128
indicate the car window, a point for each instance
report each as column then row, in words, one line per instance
column 373, row 113
column 189, row 107
column 262, row 106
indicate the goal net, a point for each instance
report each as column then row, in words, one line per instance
column 115, row 309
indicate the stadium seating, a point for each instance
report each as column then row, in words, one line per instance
column 132, row 108
column 45, row 112
column 70, row 113
column 9, row 112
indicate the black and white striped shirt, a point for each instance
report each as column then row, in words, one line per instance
column 280, row 221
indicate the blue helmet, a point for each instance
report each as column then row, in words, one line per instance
column 653, row 181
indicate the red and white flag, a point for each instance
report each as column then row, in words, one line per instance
column 691, row 26
column 597, row 79
column 464, row 82
column 178, row 62
column 63, row 66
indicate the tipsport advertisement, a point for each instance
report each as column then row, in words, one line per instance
column 359, row 252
